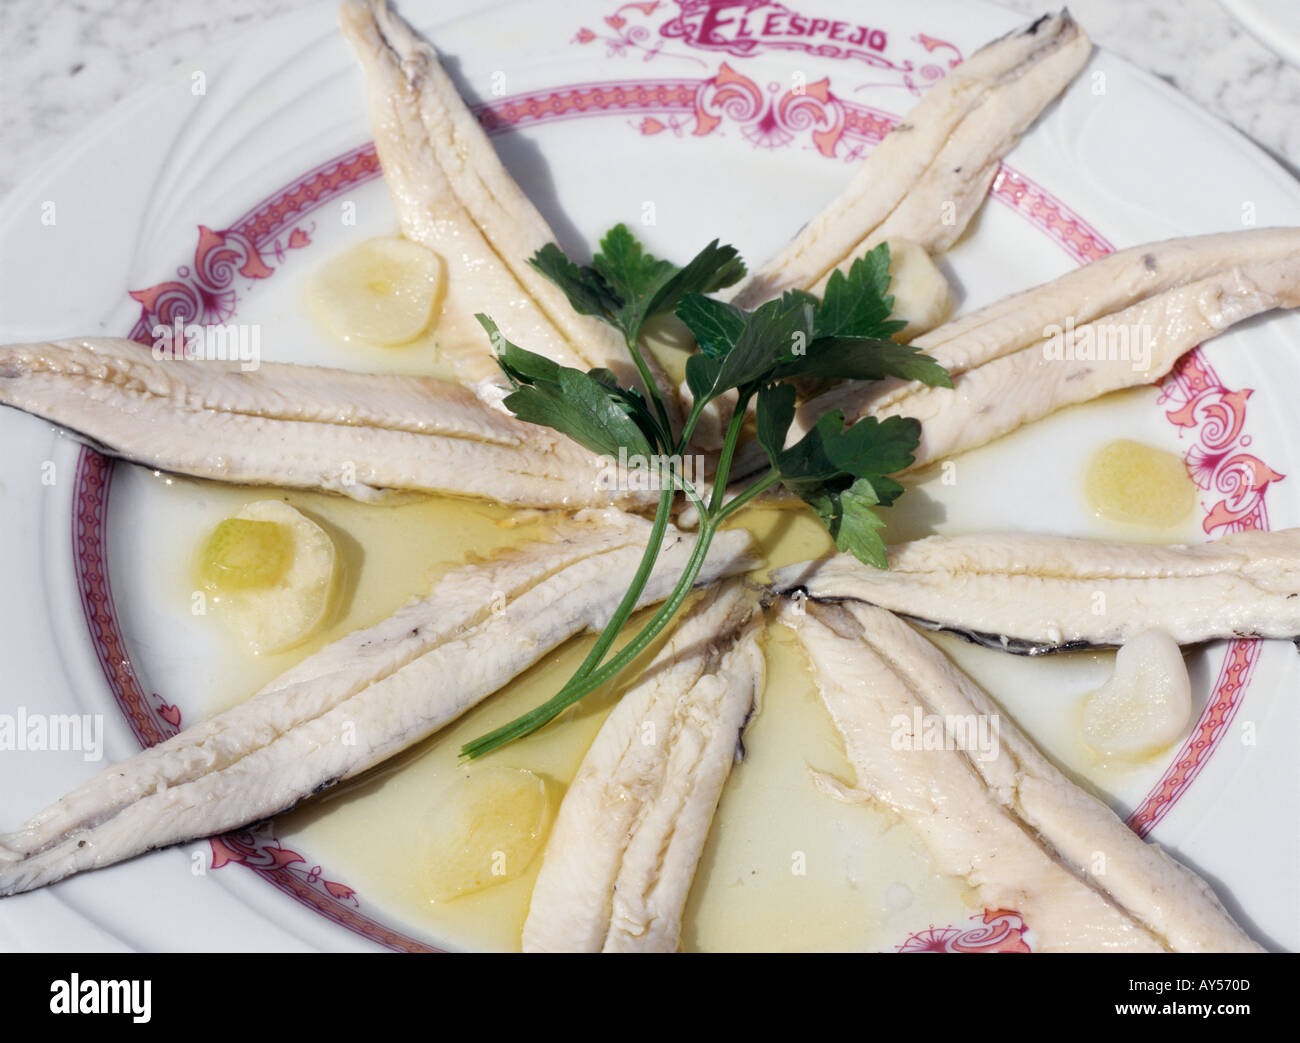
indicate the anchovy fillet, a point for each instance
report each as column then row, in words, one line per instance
column 301, row 426
column 628, row 836
column 454, row 195
column 1103, row 287
column 1039, row 594
column 931, row 173
column 358, row 701
column 1001, row 816
column 1131, row 317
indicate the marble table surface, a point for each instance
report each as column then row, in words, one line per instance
column 62, row 65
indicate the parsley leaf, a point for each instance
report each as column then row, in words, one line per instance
column 588, row 407
column 625, row 286
column 625, row 265
column 774, row 416
column 848, row 517
column 841, row 472
column 869, row 448
column 586, row 288
column 858, row 304
column 650, row 286
column 862, row 358
column 716, row 325
column 778, row 330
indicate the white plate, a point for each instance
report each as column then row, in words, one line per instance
column 603, row 117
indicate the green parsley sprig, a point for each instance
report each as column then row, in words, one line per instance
column 841, row 471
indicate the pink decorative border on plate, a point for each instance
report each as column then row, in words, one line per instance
column 768, row 118
column 994, row 930
column 1219, row 463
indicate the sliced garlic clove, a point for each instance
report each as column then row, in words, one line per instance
column 242, row 554
column 273, row 574
column 383, row 291
column 486, row 829
column 922, row 295
column 1147, row 702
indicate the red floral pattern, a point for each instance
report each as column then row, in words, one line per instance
column 261, row 851
column 994, row 930
column 206, row 293
column 1236, row 483
column 627, row 38
column 1217, row 460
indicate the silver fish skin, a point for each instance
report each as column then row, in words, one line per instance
column 999, row 815
column 623, row 851
column 931, row 173
column 358, row 434
column 1035, row 594
column 358, row 701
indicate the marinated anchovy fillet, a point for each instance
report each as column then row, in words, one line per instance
column 358, row 701
column 1103, row 287
column 999, row 815
column 1038, row 594
column 301, row 426
column 930, row 175
column 454, row 195
column 628, row 836
column 1119, row 322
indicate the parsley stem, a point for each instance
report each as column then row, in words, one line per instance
column 840, row 469
column 591, row 675
column 651, row 388
column 688, row 430
column 628, row 605
column 654, row 544
column 759, row 487
column 728, row 450
column 661, row 618
column 578, row 688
